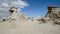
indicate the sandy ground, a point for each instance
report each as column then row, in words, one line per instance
column 29, row 27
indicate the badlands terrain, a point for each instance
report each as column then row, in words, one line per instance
column 21, row 24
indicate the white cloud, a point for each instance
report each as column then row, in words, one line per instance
column 20, row 4
column 3, row 9
column 15, row 3
column 6, row 4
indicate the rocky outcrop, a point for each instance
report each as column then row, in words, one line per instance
column 53, row 14
column 21, row 24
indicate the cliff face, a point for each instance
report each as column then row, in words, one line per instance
column 54, row 14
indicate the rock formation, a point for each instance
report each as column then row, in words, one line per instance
column 54, row 14
column 19, row 23
column 13, row 13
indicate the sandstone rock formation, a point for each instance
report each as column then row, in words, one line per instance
column 54, row 14
column 19, row 23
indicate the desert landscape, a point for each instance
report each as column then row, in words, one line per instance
column 21, row 24
column 29, row 16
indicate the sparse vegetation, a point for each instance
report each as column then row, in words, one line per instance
column 55, row 22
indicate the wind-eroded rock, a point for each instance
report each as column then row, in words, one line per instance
column 19, row 23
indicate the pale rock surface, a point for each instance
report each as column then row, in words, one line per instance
column 19, row 24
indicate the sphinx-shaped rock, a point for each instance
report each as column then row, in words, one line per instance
column 13, row 13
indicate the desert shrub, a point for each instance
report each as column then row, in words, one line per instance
column 58, row 23
column 38, row 19
column 4, row 19
column 43, row 20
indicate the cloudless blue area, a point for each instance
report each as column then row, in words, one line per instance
column 39, row 7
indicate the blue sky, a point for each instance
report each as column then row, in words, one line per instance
column 31, row 7
column 39, row 7
column 6, row 4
